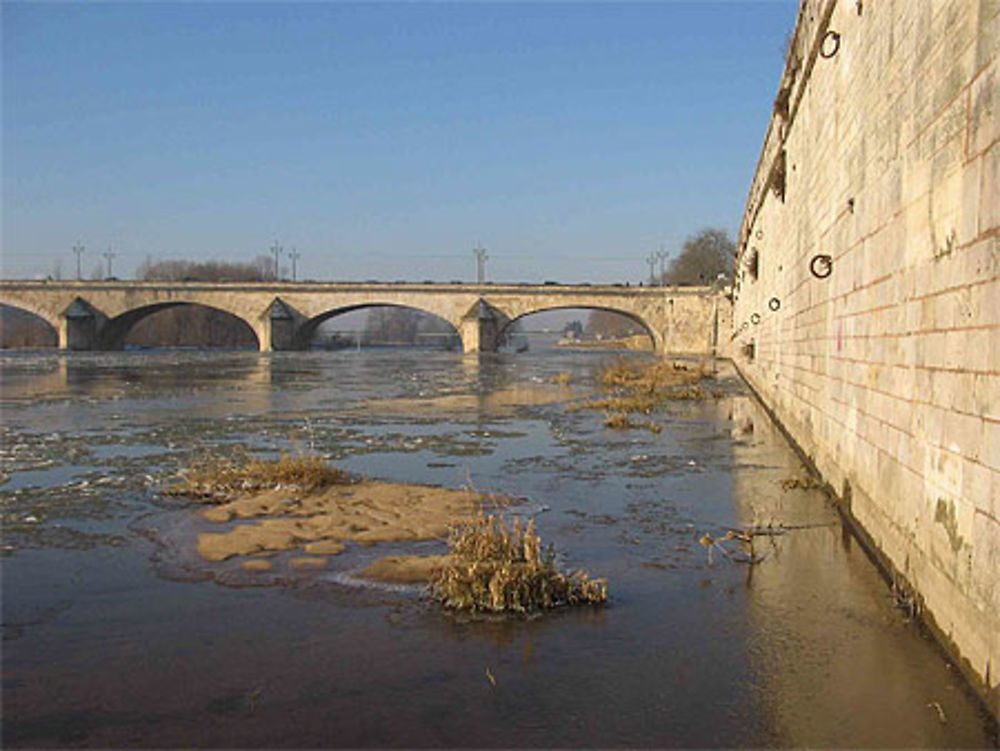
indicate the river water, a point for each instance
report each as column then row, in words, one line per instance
column 117, row 634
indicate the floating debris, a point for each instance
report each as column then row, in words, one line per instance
column 802, row 483
column 744, row 554
column 940, row 712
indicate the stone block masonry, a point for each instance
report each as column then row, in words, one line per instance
column 867, row 298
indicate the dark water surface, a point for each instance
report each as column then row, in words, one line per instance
column 116, row 634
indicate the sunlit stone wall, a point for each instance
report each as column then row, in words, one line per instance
column 867, row 302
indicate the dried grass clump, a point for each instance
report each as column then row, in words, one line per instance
column 647, row 376
column 621, row 421
column 641, row 402
column 563, row 379
column 218, row 479
column 497, row 569
column 644, row 386
column 618, row 421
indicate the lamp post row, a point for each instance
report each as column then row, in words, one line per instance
column 480, row 252
column 78, row 251
column 660, row 255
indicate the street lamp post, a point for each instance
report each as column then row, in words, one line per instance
column 481, row 258
column 78, row 250
column 277, row 250
column 294, row 255
column 109, row 254
column 651, row 260
column 662, row 255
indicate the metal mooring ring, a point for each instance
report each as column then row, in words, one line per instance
column 821, row 266
column 774, row 303
column 825, row 50
column 759, row 234
column 755, row 318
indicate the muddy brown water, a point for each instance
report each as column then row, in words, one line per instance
column 116, row 633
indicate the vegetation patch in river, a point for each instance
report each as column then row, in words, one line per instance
column 303, row 504
column 495, row 568
column 314, row 511
column 217, row 479
column 646, row 386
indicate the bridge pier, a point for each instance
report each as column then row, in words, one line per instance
column 280, row 328
column 481, row 327
column 80, row 326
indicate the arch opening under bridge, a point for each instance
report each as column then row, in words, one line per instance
column 383, row 324
column 636, row 326
column 21, row 328
column 177, row 324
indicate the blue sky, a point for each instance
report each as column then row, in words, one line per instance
column 382, row 141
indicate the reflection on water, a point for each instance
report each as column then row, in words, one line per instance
column 113, row 638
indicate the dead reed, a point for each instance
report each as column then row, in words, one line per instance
column 621, row 421
column 618, row 421
column 651, row 377
column 499, row 569
column 644, row 387
column 218, row 478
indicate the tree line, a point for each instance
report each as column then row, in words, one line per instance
column 194, row 325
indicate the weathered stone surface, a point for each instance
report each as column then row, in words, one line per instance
column 887, row 371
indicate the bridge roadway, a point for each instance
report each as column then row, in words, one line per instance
column 285, row 315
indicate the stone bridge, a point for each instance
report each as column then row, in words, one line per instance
column 285, row 315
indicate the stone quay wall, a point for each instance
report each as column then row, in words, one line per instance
column 867, row 297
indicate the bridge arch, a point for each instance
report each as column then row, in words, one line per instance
column 114, row 332
column 306, row 332
column 635, row 318
column 24, row 327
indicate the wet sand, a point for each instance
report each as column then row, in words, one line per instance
column 406, row 569
column 321, row 523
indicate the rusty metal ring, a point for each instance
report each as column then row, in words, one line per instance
column 774, row 303
column 755, row 318
column 821, row 266
column 759, row 234
column 826, row 52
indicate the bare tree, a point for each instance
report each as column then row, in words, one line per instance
column 194, row 326
column 393, row 325
column 205, row 271
column 705, row 257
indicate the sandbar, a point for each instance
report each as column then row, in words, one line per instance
column 320, row 523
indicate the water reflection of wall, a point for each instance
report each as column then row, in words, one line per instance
column 824, row 635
